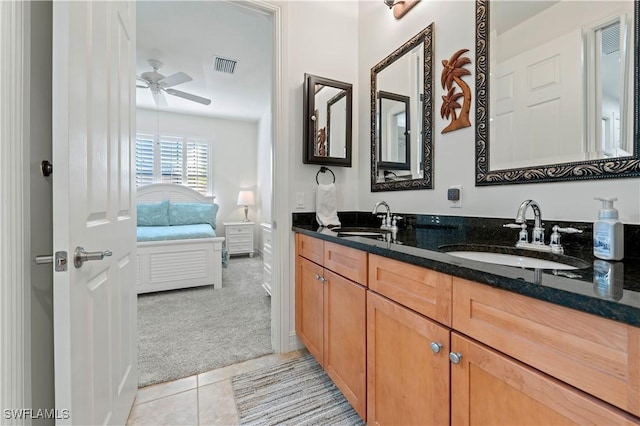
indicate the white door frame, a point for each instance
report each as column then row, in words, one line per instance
column 15, row 265
column 281, row 290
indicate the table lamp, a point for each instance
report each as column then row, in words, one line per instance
column 245, row 198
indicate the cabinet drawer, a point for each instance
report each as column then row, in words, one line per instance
column 239, row 230
column 310, row 248
column 266, row 255
column 423, row 290
column 594, row 354
column 348, row 262
column 240, row 238
column 240, row 247
column 266, row 237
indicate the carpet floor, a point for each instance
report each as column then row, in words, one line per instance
column 190, row 331
column 296, row 392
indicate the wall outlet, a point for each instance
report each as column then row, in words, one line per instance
column 454, row 195
column 299, row 200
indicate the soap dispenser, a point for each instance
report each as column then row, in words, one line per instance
column 608, row 232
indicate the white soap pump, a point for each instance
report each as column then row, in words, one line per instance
column 608, row 232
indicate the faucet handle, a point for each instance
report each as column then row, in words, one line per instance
column 569, row 230
column 512, row 225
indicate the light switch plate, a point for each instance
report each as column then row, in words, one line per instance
column 299, row 200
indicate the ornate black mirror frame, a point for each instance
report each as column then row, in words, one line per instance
column 426, row 182
column 309, row 136
column 393, row 165
column 592, row 169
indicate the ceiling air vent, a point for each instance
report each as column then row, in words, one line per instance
column 221, row 64
column 611, row 39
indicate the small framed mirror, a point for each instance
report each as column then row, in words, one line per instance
column 327, row 121
column 402, row 117
column 395, row 129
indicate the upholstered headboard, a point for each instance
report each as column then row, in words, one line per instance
column 174, row 193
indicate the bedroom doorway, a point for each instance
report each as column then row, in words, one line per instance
column 191, row 48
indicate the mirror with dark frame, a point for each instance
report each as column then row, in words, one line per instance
column 327, row 121
column 559, row 104
column 401, row 94
column 394, row 128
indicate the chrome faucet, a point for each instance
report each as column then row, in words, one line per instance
column 537, row 242
column 537, row 236
column 386, row 220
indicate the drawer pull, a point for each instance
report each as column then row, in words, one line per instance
column 455, row 357
column 435, row 347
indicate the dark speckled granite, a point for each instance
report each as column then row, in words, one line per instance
column 607, row 289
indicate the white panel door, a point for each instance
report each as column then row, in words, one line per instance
column 94, row 207
column 535, row 117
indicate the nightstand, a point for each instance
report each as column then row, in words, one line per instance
column 239, row 237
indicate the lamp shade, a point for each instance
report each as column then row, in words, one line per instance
column 245, row 198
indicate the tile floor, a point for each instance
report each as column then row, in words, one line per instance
column 202, row 399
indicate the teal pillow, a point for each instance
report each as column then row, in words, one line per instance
column 153, row 214
column 192, row 214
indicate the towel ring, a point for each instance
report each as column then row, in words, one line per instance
column 324, row 169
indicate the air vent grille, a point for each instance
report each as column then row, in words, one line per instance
column 227, row 65
column 611, row 39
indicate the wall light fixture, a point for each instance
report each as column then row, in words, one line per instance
column 400, row 7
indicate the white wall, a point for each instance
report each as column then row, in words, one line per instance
column 322, row 39
column 235, row 150
column 454, row 153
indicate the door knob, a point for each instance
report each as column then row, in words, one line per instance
column 80, row 256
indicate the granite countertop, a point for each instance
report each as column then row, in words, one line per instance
column 613, row 294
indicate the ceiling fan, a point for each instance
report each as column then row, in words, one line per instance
column 159, row 84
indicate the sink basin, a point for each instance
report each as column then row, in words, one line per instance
column 357, row 231
column 509, row 256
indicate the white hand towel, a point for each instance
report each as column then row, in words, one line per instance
column 327, row 205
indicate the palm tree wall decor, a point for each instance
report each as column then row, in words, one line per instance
column 452, row 72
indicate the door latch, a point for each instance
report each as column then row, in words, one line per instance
column 59, row 260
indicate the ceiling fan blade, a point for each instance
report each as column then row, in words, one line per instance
column 160, row 99
column 188, row 96
column 175, row 79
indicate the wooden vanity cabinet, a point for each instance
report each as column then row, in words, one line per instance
column 408, row 310
column 408, row 378
column 596, row 355
column 331, row 313
column 444, row 350
column 488, row 387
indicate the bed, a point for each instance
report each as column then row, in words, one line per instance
column 177, row 243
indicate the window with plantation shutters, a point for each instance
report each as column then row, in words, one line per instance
column 144, row 161
column 171, row 162
column 175, row 160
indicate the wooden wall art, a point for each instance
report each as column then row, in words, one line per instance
column 451, row 80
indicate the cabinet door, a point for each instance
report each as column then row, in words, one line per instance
column 488, row 387
column 407, row 382
column 309, row 306
column 345, row 331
